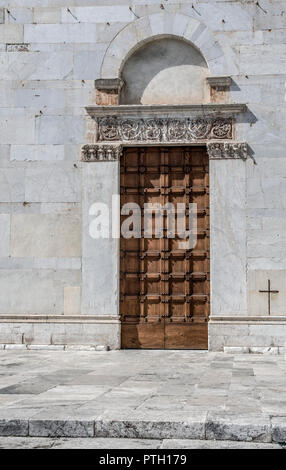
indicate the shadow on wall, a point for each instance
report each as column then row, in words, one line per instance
column 165, row 71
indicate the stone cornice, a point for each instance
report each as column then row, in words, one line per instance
column 166, row 110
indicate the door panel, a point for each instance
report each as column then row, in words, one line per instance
column 164, row 289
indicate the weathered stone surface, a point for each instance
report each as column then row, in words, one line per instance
column 98, row 14
column 39, row 291
column 72, row 300
column 149, row 430
column 99, row 293
column 13, row 427
column 270, row 351
column 64, row 332
column 105, row 443
column 238, row 428
column 54, row 428
column 12, row 184
column 228, row 295
column 4, row 235
column 82, row 443
column 37, row 66
column 236, row 350
column 75, row 347
column 53, row 184
column 54, row 33
column 17, row 130
column 47, row 15
column 59, row 130
column 45, row 235
column 278, row 425
column 37, row 152
column 87, row 64
column 209, row 444
column 101, row 347
column 45, row 347
column 15, row 347
column 12, row 33
column 127, row 395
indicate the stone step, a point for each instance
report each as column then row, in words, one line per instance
column 232, row 428
column 120, row 444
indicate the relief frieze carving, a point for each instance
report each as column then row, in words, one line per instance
column 226, row 150
column 159, row 130
column 101, row 152
column 112, row 152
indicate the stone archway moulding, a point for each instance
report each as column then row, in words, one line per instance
column 147, row 28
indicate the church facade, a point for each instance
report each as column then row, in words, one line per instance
column 108, row 107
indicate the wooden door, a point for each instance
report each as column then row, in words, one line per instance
column 164, row 289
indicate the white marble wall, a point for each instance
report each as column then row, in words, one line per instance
column 49, row 59
column 228, row 237
column 100, row 257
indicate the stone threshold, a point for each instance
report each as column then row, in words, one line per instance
column 258, row 428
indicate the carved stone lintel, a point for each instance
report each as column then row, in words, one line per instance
column 101, row 152
column 227, row 150
column 164, row 130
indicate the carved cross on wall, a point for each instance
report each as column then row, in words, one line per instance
column 269, row 292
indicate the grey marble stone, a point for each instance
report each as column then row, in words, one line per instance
column 61, row 428
column 208, row 444
column 105, row 443
column 144, row 394
column 149, row 430
column 236, row 427
column 13, row 427
column 278, row 425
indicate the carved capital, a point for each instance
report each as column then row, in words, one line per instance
column 227, row 150
column 101, row 152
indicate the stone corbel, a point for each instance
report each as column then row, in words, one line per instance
column 220, row 81
column 219, row 89
column 107, row 91
column 101, row 152
column 227, row 150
